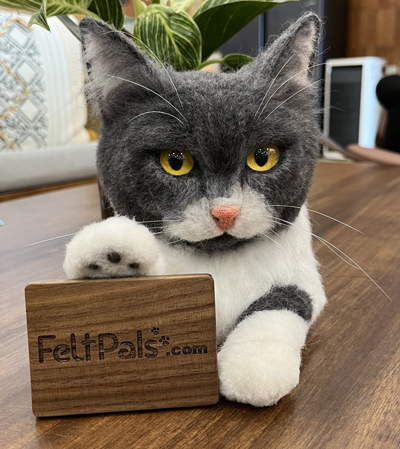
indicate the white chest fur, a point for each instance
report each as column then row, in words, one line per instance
column 243, row 275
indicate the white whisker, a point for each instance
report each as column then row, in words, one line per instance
column 285, row 82
column 292, row 252
column 329, row 244
column 269, row 88
column 155, row 112
column 287, row 99
column 314, row 235
column 153, row 221
column 48, row 240
column 319, row 213
column 355, row 263
column 163, row 66
column 171, row 243
column 272, row 240
column 280, row 246
column 152, row 91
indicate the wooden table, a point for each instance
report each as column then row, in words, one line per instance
column 349, row 393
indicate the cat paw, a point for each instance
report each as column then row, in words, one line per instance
column 259, row 362
column 258, row 377
column 116, row 247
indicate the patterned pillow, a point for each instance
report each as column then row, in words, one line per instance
column 42, row 101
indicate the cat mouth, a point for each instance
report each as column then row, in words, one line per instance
column 222, row 242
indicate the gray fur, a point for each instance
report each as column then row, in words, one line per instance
column 219, row 128
column 282, row 298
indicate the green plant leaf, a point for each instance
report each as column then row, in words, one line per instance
column 110, row 11
column 173, row 37
column 31, row 6
column 139, row 7
column 181, row 5
column 231, row 62
column 50, row 8
column 235, row 61
column 40, row 18
column 219, row 20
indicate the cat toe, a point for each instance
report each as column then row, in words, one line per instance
column 93, row 266
column 114, row 257
column 116, row 247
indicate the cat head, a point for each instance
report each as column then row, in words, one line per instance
column 207, row 158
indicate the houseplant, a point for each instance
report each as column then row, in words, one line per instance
column 164, row 29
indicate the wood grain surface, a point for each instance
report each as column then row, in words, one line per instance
column 22, row 193
column 348, row 396
column 115, row 345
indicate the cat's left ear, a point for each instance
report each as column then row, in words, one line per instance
column 293, row 52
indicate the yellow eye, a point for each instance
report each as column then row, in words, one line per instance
column 176, row 162
column 263, row 158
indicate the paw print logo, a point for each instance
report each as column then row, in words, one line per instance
column 164, row 340
column 155, row 330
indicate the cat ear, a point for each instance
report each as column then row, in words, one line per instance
column 114, row 64
column 294, row 51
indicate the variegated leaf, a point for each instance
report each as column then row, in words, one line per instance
column 48, row 8
column 219, row 20
column 173, row 37
column 110, row 11
column 39, row 18
column 234, row 61
column 26, row 5
column 181, row 5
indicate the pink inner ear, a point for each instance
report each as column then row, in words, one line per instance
column 224, row 216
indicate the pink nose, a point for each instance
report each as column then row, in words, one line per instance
column 224, row 216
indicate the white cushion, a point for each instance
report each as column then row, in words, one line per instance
column 42, row 101
column 26, row 169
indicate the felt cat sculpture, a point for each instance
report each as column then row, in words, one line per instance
column 209, row 173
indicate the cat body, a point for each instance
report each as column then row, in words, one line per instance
column 244, row 275
column 208, row 173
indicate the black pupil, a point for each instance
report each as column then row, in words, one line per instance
column 261, row 157
column 175, row 159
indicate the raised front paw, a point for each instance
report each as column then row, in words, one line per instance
column 257, row 370
column 116, row 247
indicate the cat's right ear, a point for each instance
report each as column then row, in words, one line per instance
column 292, row 54
column 115, row 65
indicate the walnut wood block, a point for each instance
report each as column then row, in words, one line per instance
column 121, row 344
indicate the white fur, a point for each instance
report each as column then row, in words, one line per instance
column 254, row 217
column 243, row 275
column 260, row 361
column 134, row 242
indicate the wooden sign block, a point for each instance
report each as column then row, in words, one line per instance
column 122, row 344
